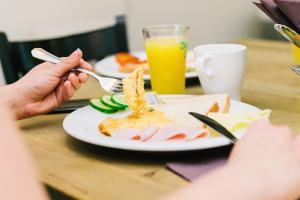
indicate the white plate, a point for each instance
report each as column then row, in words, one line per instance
column 82, row 124
column 109, row 67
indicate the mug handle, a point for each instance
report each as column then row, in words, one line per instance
column 201, row 64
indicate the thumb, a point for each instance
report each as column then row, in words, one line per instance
column 68, row 63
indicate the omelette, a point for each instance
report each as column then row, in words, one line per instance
column 142, row 116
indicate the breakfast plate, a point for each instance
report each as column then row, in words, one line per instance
column 109, row 67
column 83, row 123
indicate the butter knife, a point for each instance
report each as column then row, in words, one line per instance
column 215, row 125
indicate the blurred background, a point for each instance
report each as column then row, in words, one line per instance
column 210, row 21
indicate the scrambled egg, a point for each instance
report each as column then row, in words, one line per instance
column 133, row 87
column 141, row 117
column 143, row 120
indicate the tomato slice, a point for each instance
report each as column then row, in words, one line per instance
column 126, row 58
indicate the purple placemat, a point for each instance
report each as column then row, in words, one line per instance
column 191, row 169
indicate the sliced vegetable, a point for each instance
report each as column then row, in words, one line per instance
column 119, row 99
column 97, row 104
column 106, row 100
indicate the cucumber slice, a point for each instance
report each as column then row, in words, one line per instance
column 106, row 100
column 119, row 99
column 98, row 105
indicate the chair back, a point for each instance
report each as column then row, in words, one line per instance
column 16, row 57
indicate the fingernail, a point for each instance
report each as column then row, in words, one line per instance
column 76, row 53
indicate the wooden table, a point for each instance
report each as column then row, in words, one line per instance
column 85, row 171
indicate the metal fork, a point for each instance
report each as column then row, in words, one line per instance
column 110, row 85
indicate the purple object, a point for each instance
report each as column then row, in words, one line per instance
column 266, row 11
column 284, row 12
column 270, row 8
column 191, row 171
column 291, row 9
column 196, row 165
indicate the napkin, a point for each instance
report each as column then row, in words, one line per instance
column 202, row 163
column 282, row 11
column 291, row 8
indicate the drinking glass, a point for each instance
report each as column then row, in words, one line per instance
column 166, row 47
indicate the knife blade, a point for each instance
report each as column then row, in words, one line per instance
column 215, row 125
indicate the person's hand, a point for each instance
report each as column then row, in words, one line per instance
column 46, row 86
column 268, row 158
column 264, row 165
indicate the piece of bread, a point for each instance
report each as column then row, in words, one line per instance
column 179, row 112
column 223, row 100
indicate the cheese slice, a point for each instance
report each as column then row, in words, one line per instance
column 235, row 121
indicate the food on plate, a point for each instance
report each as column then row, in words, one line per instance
column 141, row 117
column 178, row 112
column 160, row 122
column 169, row 120
column 129, row 68
column 128, row 63
column 108, row 104
column 223, row 100
column 98, row 105
column 127, row 58
column 235, row 121
column 134, row 92
column 142, row 121
column 107, row 100
column 119, row 99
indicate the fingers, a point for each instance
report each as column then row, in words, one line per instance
column 68, row 63
column 85, row 65
column 77, row 79
column 68, row 91
column 83, row 77
column 74, row 81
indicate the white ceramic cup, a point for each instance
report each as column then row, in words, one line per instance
column 221, row 68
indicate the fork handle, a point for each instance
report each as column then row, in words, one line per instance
column 44, row 55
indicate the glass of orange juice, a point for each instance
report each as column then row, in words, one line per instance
column 166, row 47
column 296, row 52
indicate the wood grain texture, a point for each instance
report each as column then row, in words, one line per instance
column 85, row 171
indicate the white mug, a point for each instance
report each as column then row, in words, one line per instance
column 221, row 68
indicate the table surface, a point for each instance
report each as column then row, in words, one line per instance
column 85, row 171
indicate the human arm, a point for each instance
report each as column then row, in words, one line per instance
column 264, row 164
column 45, row 87
column 18, row 175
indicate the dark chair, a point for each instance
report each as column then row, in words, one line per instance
column 16, row 58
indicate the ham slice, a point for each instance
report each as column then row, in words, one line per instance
column 167, row 132
column 135, row 134
column 173, row 132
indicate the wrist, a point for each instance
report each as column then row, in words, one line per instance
column 12, row 96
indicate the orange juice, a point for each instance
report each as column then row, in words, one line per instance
column 296, row 52
column 167, row 58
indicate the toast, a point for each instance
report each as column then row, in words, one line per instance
column 223, row 100
column 179, row 112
